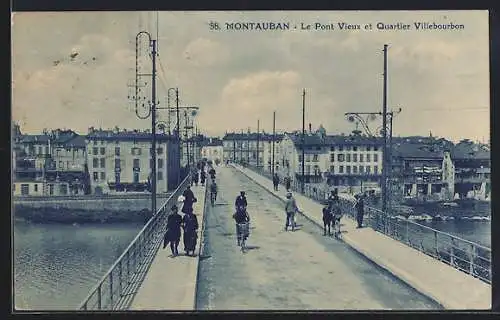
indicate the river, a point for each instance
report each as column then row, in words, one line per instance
column 56, row 265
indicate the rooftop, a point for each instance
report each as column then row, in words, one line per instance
column 124, row 135
column 262, row 136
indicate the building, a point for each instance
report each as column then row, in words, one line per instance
column 35, row 168
column 349, row 163
column 120, row 161
column 212, row 149
column 472, row 164
column 242, row 148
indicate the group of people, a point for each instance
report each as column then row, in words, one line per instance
column 286, row 180
column 332, row 213
column 188, row 223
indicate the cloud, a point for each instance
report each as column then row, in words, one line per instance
column 237, row 77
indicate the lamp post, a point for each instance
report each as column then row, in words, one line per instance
column 151, row 107
column 274, row 137
column 258, row 140
column 364, row 118
column 303, row 138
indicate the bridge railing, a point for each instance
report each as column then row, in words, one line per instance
column 118, row 283
column 467, row 256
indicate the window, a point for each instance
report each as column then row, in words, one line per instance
column 95, row 176
column 341, row 148
column 36, row 187
column 348, row 169
column 332, row 157
column 375, row 169
column 103, row 176
column 375, row 148
column 315, row 158
column 332, row 148
column 51, row 189
column 61, row 165
column 136, row 177
column 103, row 162
column 117, row 151
column 95, row 151
column 159, row 175
column 308, row 169
column 308, row 157
column 332, row 169
column 103, row 151
column 368, row 158
column 368, row 169
column 354, row 169
column 136, row 151
column 117, row 163
column 361, row 157
column 300, row 158
column 348, row 157
column 63, row 189
column 95, row 142
column 160, row 162
column 137, row 163
column 160, row 150
column 361, row 169
column 341, row 169
column 340, row 157
column 95, row 163
column 355, row 157
column 375, row 157
column 368, row 148
column 25, row 189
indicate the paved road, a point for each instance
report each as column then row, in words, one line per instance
column 286, row 270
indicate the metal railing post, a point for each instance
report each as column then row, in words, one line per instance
column 472, row 255
column 128, row 267
column 407, row 234
column 436, row 247
column 452, row 252
column 99, row 296
column 111, row 290
column 120, row 278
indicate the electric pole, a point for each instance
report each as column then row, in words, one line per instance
column 258, row 140
column 384, row 132
column 274, row 137
column 303, row 137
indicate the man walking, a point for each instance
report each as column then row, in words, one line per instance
column 290, row 209
column 276, row 181
column 360, row 206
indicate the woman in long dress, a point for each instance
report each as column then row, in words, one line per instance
column 190, row 225
column 173, row 234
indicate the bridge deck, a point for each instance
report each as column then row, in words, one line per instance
column 451, row 288
column 301, row 270
column 170, row 283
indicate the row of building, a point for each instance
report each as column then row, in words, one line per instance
column 420, row 167
column 62, row 162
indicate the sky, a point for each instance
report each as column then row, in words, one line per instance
column 440, row 78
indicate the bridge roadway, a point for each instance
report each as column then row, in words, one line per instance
column 301, row 270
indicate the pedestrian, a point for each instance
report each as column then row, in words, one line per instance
column 287, row 183
column 203, row 176
column 189, row 199
column 173, row 233
column 337, row 215
column 276, row 181
column 327, row 219
column 195, row 176
column 190, row 225
column 360, row 206
column 290, row 209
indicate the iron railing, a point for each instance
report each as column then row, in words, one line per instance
column 116, row 289
column 464, row 255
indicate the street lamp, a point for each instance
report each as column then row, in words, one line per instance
column 364, row 118
column 151, row 105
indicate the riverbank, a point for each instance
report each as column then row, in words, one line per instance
column 78, row 216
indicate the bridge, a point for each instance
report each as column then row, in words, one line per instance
column 391, row 264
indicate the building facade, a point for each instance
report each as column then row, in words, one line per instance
column 255, row 149
column 121, row 161
column 212, row 149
